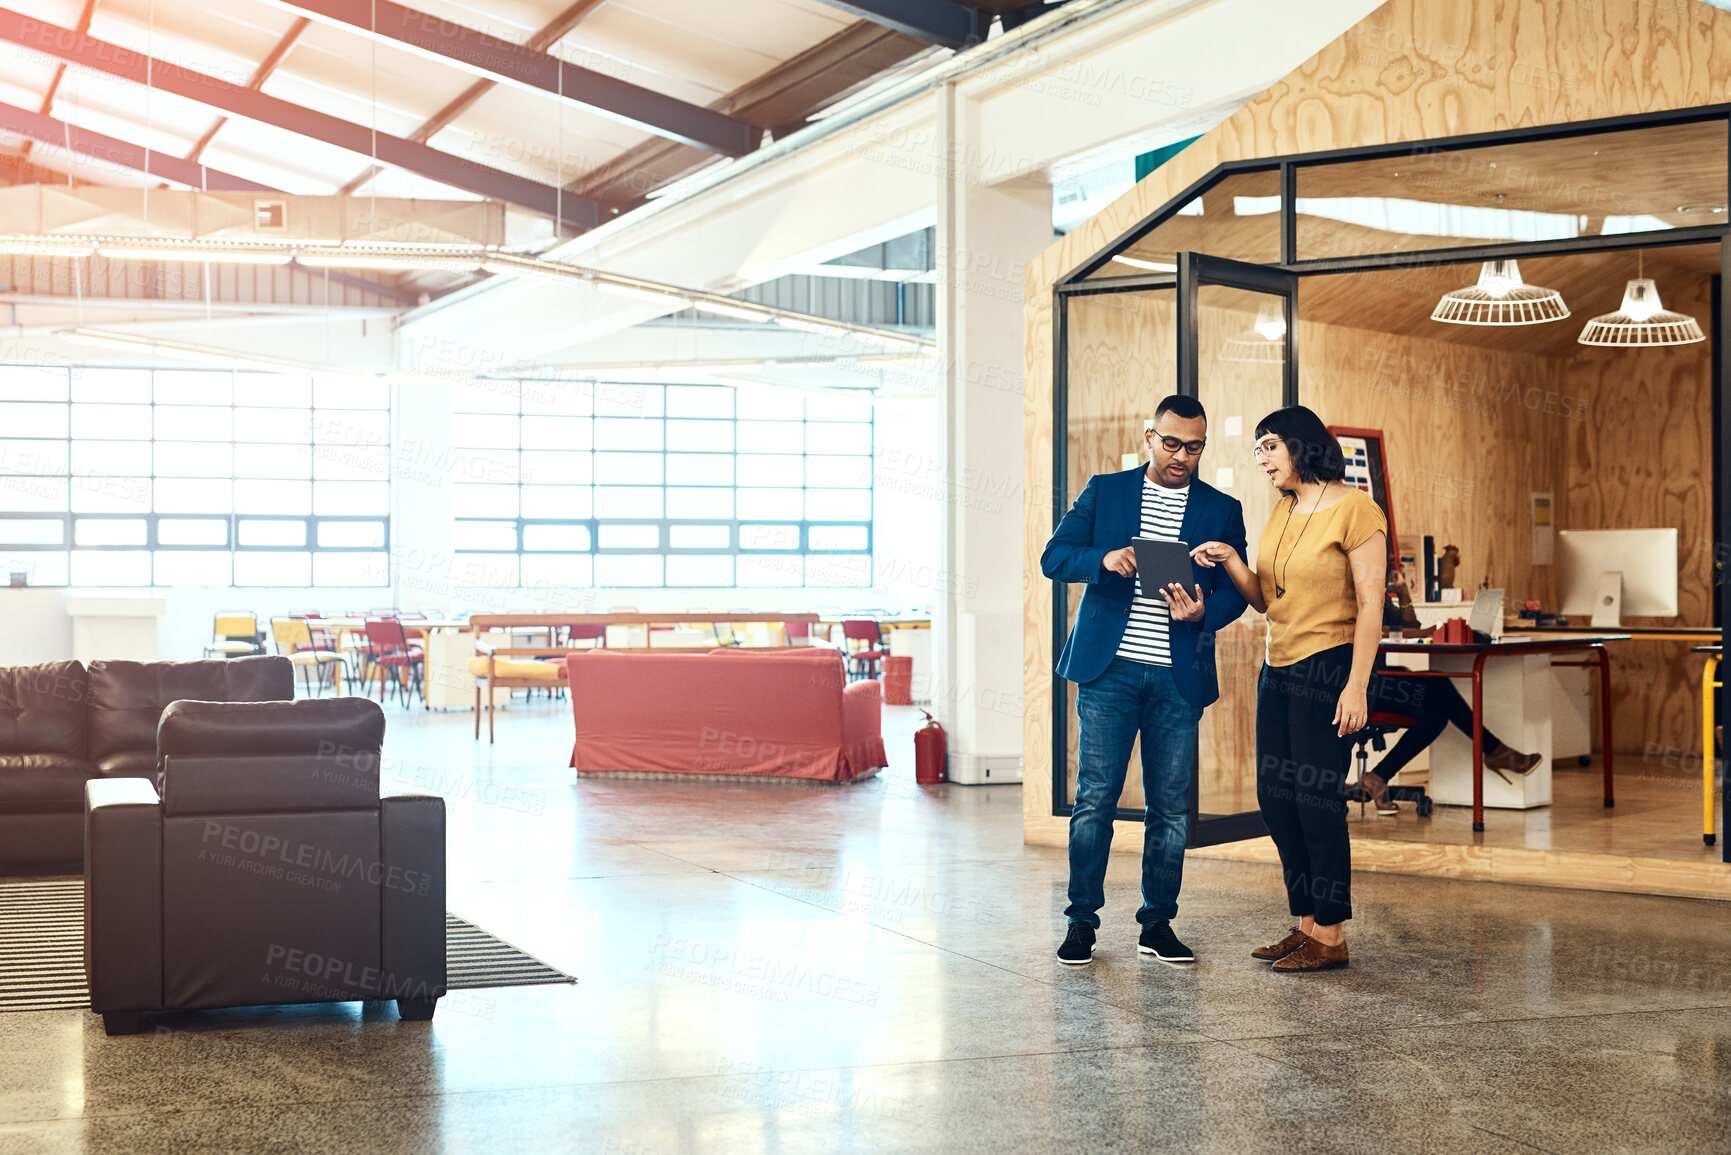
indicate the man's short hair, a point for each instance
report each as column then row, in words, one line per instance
column 1180, row 406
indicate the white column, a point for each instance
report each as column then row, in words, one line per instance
column 422, row 465
column 986, row 235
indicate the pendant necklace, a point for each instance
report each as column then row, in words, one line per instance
column 1279, row 574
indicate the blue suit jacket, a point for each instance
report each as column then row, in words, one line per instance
column 1105, row 518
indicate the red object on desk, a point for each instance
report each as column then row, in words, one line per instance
column 1454, row 632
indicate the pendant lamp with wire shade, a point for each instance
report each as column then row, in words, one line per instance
column 1263, row 343
column 1500, row 298
column 1642, row 321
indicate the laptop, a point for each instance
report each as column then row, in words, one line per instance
column 1487, row 613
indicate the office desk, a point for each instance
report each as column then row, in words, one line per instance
column 1520, row 645
column 1709, row 683
column 1697, row 634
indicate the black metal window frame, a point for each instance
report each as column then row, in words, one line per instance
column 1076, row 284
column 664, row 525
column 70, row 520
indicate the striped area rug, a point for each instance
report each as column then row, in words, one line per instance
column 42, row 950
column 474, row 958
column 42, row 945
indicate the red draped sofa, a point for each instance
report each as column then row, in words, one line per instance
column 787, row 713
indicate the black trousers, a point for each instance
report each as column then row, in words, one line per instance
column 1433, row 704
column 1301, row 767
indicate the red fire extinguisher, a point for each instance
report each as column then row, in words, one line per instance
column 931, row 761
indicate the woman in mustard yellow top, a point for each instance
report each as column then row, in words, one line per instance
column 1319, row 579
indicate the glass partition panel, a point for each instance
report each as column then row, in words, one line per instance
column 1241, row 358
column 1632, row 181
column 1237, row 217
column 1123, row 356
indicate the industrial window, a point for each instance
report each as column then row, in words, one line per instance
column 576, row 484
column 158, row 477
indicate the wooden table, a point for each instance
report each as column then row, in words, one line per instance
column 1516, row 645
column 480, row 623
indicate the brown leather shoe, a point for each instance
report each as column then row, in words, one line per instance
column 1512, row 760
column 1313, row 956
column 1281, row 949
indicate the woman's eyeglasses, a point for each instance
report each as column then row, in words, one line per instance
column 1264, row 448
column 1173, row 445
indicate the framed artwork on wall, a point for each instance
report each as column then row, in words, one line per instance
column 1367, row 469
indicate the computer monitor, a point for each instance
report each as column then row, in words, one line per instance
column 1647, row 559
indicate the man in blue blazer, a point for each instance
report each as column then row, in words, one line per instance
column 1142, row 665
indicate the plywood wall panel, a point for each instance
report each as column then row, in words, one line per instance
column 1467, row 437
column 1037, row 656
column 1643, row 457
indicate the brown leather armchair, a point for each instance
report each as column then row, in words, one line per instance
column 268, row 871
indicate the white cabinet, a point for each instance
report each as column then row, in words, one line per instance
column 114, row 627
column 1517, row 706
column 449, row 683
column 1571, row 710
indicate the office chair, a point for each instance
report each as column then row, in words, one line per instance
column 1372, row 737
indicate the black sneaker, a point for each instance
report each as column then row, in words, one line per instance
column 1158, row 940
column 1078, row 948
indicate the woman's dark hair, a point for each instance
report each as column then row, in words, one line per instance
column 1315, row 453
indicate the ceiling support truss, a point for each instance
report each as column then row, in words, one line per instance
column 86, row 51
column 944, row 22
column 120, row 154
column 498, row 59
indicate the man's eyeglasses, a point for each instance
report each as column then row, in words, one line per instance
column 1173, row 445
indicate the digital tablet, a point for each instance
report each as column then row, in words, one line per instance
column 1160, row 564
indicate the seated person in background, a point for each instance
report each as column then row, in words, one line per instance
column 1431, row 703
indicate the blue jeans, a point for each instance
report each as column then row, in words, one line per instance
column 1127, row 699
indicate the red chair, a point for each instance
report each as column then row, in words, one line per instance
column 864, row 643
column 388, row 648
column 594, row 633
column 800, row 630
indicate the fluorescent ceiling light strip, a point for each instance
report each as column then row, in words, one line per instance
column 737, row 312
column 661, row 296
column 227, row 256
column 506, row 265
column 45, row 247
column 133, row 342
column 341, row 259
column 107, row 340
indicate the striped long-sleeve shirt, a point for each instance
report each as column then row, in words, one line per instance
column 1146, row 637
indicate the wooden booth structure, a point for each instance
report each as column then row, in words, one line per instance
column 1295, row 254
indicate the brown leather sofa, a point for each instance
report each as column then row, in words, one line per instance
column 268, row 871
column 62, row 725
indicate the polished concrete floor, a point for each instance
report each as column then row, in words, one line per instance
column 782, row 968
